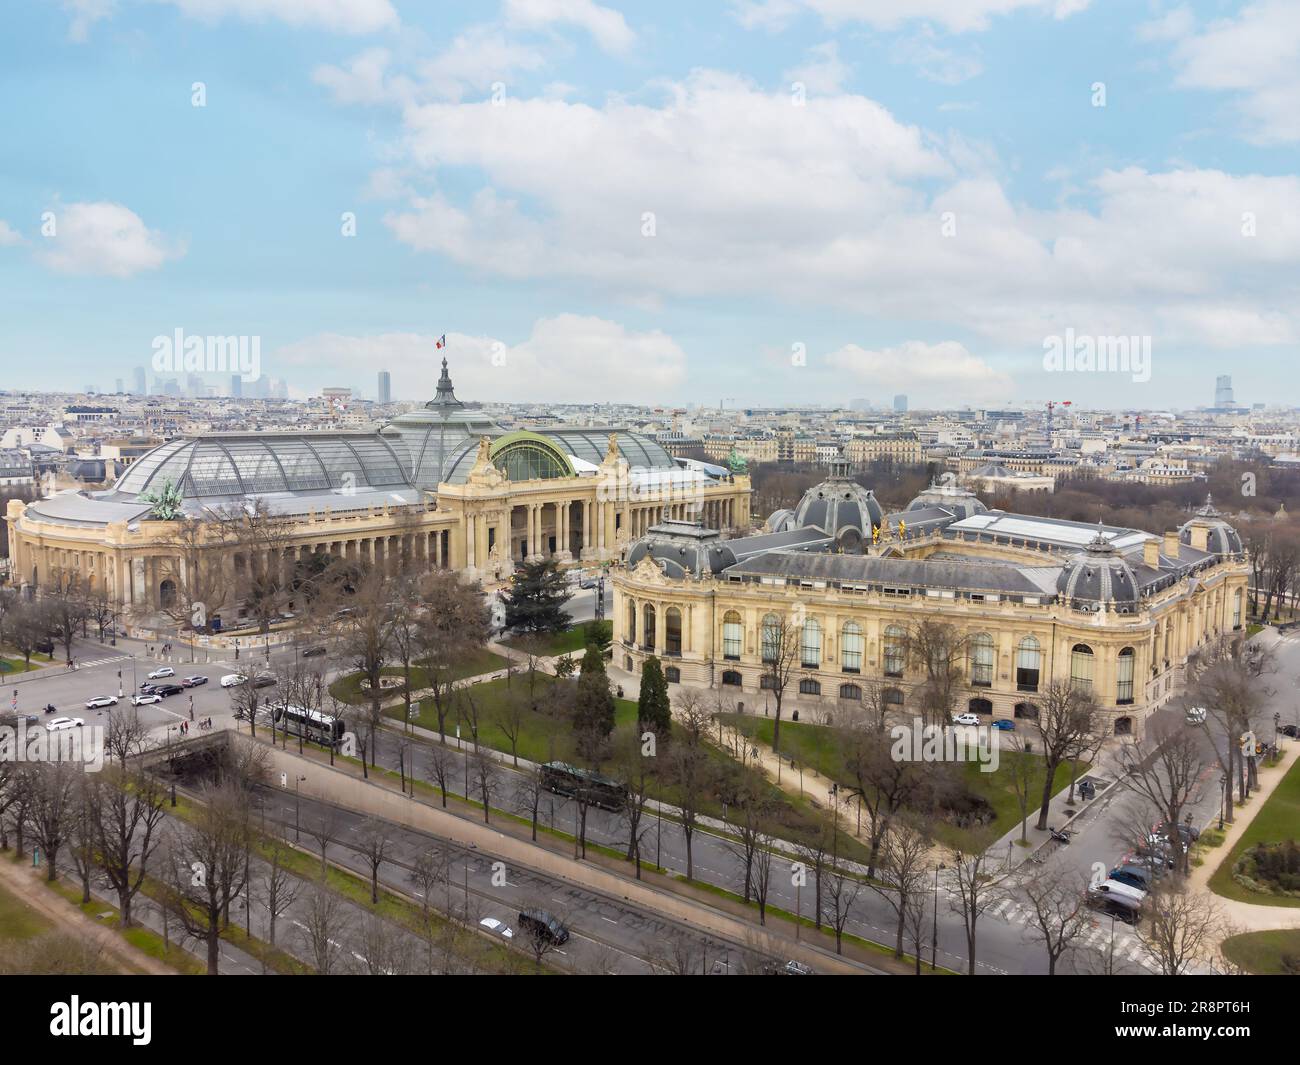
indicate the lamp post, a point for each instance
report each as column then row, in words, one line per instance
column 1223, row 804
column 934, row 928
column 296, row 806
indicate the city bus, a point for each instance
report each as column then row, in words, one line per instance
column 572, row 781
column 310, row 724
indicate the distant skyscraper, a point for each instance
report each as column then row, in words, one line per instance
column 117, row 386
column 385, row 387
column 236, row 386
column 141, row 388
column 900, row 403
column 1223, row 391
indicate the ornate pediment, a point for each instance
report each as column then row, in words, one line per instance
column 648, row 571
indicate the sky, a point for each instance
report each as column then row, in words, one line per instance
column 754, row 202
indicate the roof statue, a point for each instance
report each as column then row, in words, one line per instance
column 736, row 463
column 167, row 502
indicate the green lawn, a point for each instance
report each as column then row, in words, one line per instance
column 18, row 921
column 816, row 747
column 1278, row 819
column 1261, row 952
column 545, row 738
column 561, row 643
column 348, row 688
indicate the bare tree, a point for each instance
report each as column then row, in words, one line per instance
column 1067, row 717
column 938, row 651
column 279, row 889
column 385, row 949
column 325, row 922
column 128, row 829
column 483, row 779
column 903, row 872
column 376, row 837
column 842, row 890
column 1180, row 927
column 780, row 638
column 1059, row 914
column 52, row 810
column 977, row 888
column 322, row 828
column 442, row 763
column 1165, row 768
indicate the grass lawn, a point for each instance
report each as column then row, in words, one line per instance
column 545, row 738
column 1278, row 819
column 816, row 747
column 561, row 643
column 18, row 921
column 1261, row 952
column 348, row 688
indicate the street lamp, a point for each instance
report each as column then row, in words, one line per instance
column 934, row 929
column 296, row 781
column 1223, row 805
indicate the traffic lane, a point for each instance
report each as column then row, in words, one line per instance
column 496, row 888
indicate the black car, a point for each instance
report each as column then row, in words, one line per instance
column 313, row 652
column 168, row 689
column 264, row 680
column 194, row 681
column 149, row 687
column 1117, row 906
column 1290, row 730
column 544, row 925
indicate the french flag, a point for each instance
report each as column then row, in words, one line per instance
column 442, row 341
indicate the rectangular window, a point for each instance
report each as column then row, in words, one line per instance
column 732, row 639
column 1124, row 684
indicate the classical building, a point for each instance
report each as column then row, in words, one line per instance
column 1119, row 611
column 442, row 484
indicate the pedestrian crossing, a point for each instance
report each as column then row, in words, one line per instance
column 83, row 664
column 1127, row 947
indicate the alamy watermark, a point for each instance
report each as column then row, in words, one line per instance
column 935, row 743
column 1084, row 353
column 82, row 745
column 179, row 353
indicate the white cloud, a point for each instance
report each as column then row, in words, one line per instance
column 8, row 235
column 932, row 61
column 957, row 16
column 943, row 374
column 836, row 203
column 85, row 13
column 1255, row 54
column 337, row 16
column 607, row 27
column 596, row 360
column 823, row 71
column 104, row 239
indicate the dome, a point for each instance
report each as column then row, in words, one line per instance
column 1221, row 538
column 962, row 502
column 839, row 507
column 1098, row 578
column 679, row 556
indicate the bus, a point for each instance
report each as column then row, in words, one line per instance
column 573, row 782
column 310, row 724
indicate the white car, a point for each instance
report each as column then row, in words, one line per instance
column 1195, row 715
column 141, row 700
column 965, row 719
column 162, row 671
column 61, row 723
column 499, row 927
column 231, row 679
column 101, row 701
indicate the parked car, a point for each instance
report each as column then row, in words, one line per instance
column 1189, row 833
column 168, row 689
column 965, row 719
column 498, row 927
column 545, row 925
column 1004, row 724
column 1135, row 875
column 194, row 681
column 61, row 724
column 314, row 652
column 230, row 680
column 162, row 671
column 1195, row 715
column 98, row 702
column 1290, row 730
column 145, row 697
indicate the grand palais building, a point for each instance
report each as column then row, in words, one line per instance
column 443, row 485
column 1118, row 611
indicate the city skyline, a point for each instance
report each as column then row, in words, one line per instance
column 568, row 193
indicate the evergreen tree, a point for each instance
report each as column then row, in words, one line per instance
column 536, row 597
column 593, row 702
column 652, row 708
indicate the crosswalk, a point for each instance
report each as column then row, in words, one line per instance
column 1126, row 946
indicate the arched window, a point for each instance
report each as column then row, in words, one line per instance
column 810, row 647
column 980, row 706
column 672, row 631
column 1028, row 661
column 733, row 636
column 851, row 647
column 1026, row 711
column 808, row 686
column 981, row 660
column 894, row 651
column 1124, row 676
column 851, row 691
column 766, row 682
column 1081, row 667
column 731, row 678
column 673, row 675
column 1123, row 726
column 771, row 638
column 629, row 637
column 648, row 627
column 893, row 698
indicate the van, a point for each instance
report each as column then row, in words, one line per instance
column 1118, row 887
column 1116, row 906
column 544, row 925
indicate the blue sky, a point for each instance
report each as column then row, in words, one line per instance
column 772, row 201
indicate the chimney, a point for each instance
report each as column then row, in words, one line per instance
column 1151, row 554
column 1171, row 543
column 1200, row 537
